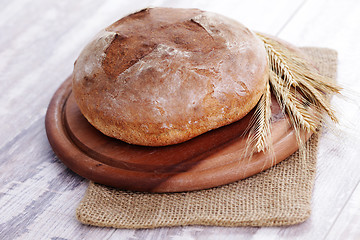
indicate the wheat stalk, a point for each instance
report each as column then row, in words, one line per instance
column 294, row 68
column 302, row 94
column 292, row 104
column 260, row 132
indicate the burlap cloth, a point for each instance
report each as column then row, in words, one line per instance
column 278, row 196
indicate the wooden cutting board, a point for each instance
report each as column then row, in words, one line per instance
column 209, row 160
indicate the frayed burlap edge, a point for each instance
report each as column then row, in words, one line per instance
column 278, row 196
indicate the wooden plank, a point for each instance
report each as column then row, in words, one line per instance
column 347, row 223
column 259, row 15
column 38, row 195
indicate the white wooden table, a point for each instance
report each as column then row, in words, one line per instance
column 39, row 42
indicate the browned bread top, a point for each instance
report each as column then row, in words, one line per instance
column 162, row 76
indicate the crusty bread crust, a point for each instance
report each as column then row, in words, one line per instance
column 162, row 76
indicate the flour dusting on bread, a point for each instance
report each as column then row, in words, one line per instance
column 162, row 76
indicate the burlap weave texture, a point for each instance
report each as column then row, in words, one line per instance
column 278, row 196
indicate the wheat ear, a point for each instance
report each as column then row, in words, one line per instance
column 301, row 93
column 260, row 134
column 292, row 104
column 297, row 73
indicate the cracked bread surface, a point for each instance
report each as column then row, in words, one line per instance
column 162, row 76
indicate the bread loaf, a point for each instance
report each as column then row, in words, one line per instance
column 162, row 76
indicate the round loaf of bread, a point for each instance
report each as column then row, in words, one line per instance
column 162, row 76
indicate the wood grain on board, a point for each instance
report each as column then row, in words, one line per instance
column 212, row 159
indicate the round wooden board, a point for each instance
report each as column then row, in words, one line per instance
column 212, row 159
